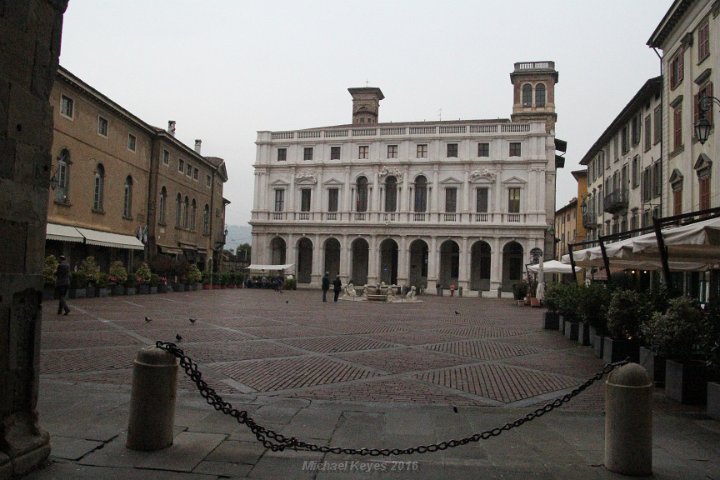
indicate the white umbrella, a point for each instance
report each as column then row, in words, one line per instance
column 553, row 266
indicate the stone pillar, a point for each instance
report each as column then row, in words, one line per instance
column 403, row 262
column 345, row 254
column 373, row 260
column 463, row 265
column 433, row 258
column 30, row 34
column 318, row 262
column 496, row 259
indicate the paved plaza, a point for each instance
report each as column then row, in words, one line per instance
column 355, row 374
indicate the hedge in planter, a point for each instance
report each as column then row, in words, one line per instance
column 627, row 311
column 592, row 305
column 552, row 302
column 117, row 276
column 78, row 285
column 142, row 278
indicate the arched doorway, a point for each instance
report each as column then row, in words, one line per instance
column 512, row 265
column 388, row 261
column 278, row 251
column 418, row 263
column 305, row 256
column 449, row 263
column 332, row 257
column 360, row 252
column 480, row 266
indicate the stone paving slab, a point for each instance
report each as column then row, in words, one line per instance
column 69, row 448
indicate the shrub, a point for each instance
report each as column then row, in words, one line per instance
column 77, row 280
column 680, row 332
column 207, row 278
column 90, row 268
column 143, row 274
column 130, row 282
column 117, row 274
column 567, row 302
column 49, row 269
column 102, row 281
column 194, row 274
column 290, row 284
column 552, row 297
column 626, row 312
column 592, row 306
column 154, row 279
column 179, row 268
column 520, row 290
column 161, row 264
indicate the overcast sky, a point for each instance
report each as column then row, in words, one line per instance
column 224, row 69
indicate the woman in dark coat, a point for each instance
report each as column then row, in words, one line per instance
column 337, row 286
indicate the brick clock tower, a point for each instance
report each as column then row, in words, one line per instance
column 534, row 93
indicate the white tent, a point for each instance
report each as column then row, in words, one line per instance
column 255, row 267
column 553, row 266
column 699, row 242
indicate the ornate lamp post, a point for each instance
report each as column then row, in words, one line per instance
column 703, row 126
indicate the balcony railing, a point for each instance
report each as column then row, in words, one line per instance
column 331, row 216
column 304, row 216
column 513, row 218
column 409, row 218
column 481, row 217
column 616, row 201
column 449, row 217
column 418, row 217
column 589, row 220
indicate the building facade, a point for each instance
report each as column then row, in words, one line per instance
column 122, row 189
column 569, row 227
column 689, row 38
column 624, row 168
column 459, row 203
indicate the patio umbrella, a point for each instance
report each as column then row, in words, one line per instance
column 553, row 266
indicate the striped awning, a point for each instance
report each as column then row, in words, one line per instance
column 63, row 233
column 112, row 240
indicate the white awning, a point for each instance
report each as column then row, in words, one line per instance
column 112, row 240
column 695, row 242
column 63, row 233
column 259, row 267
column 553, row 266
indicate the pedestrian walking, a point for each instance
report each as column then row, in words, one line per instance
column 325, row 285
column 337, row 286
column 62, row 283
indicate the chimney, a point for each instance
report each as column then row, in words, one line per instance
column 198, row 145
column 366, row 105
column 171, row 127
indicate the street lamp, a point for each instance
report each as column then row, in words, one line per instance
column 703, row 126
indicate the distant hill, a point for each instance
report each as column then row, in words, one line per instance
column 238, row 234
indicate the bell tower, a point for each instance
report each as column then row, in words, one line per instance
column 366, row 105
column 534, row 93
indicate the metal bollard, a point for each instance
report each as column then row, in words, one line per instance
column 152, row 404
column 628, row 421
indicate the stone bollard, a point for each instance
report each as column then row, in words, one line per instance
column 628, row 421
column 152, row 404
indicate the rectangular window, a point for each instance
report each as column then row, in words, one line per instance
column 515, row 149
column 279, row 200
column 635, row 128
column 305, row 195
column 704, row 41
column 181, row 165
column 208, row 181
column 281, row 154
column 677, row 202
column 333, row 199
column 648, row 133
column 616, row 150
column 196, row 173
column 452, row 150
column 392, row 151
column 677, row 127
column 308, row 153
column 67, row 106
column 188, row 170
column 334, row 153
column 624, row 140
column 635, row 173
column 132, row 141
column 513, row 200
column 704, row 183
column 450, row 200
column 422, row 151
column 677, row 69
column 657, row 125
column 166, row 158
column 363, row 151
column 646, row 185
column 482, row 200
column 102, row 126
column 483, row 149
column 657, row 179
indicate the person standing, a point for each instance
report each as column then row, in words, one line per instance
column 62, row 283
column 325, row 285
column 337, row 286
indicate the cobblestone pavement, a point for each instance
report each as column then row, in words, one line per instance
column 443, row 351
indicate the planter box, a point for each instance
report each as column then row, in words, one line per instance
column 686, row 382
column 197, row 286
column 162, row 288
column 596, row 340
column 552, row 321
column 615, row 350
column 130, row 291
column 102, row 292
column 118, row 290
column 188, row 287
column 654, row 364
column 561, row 324
column 153, row 290
column 713, row 400
column 178, row 287
column 571, row 330
column 584, row 334
column 143, row 289
column 78, row 293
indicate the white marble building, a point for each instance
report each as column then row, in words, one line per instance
column 414, row 203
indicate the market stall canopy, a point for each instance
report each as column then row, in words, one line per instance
column 63, row 233
column 553, row 266
column 259, row 267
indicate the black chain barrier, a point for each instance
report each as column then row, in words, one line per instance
column 278, row 442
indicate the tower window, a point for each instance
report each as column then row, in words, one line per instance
column 527, row 95
column 540, row 95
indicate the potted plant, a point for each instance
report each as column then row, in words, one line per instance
column 681, row 334
column 569, row 315
column 154, row 282
column 520, row 291
column 91, row 270
column 78, row 285
column 142, row 278
column 117, row 276
column 239, row 280
column 290, row 283
column 130, row 285
column 102, row 285
column 650, row 358
column 207, row 280
column 552, row 302
column 592, row 305
column 49, row 269
column 626, row 312
column 162, row 284
column 194, row 276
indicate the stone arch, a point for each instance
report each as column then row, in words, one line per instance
column 419, row 255
column 360, row 257
column 512, row 271
column 449, row 263
column 278, row 251
column 332, row 256
column 480, row 261
column 304, row 260
column 389, row 261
